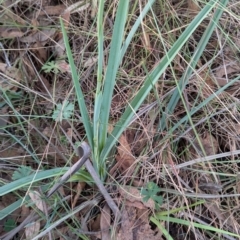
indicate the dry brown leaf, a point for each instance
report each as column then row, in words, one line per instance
column 47, row 132
column 125, row 158
column 105, row 222
column 90, row 61
column 95, row 225
column 25, row 212
column 135, row 204
column 40, row 36
column 222, row 72
column 9, row 32
column 193, row 6
column 13, row 76
column 66, row 18
column 127, row 223
column 63, row 66
column 59, row 48
column 32, row 230
column 52, row 10
column 133, row 227
column 40, row 51
column 132, row 194
column 208, row 143
column 37, row 200
column 8, row 16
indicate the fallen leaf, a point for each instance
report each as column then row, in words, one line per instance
column 132, row 194
column 105, row 222
column 47, row 132
column 128, row 219
column 221, row 73
column 90, row 61
column 133, row 227
column 59, row 48
column 9, row 32
column 207, row 146
column 40, row 36
column 13, row 76
column 37, row 200
column 40, row 52
column 25, row 212
column 32, row 229
column 95, row 225
column 63, row 66
column 193, row 6
column 135, row 204
column 125, row 157
column 66, row 18
column 52, row 10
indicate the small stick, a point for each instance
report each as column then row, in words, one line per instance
column 84, row 152
column 102, row 189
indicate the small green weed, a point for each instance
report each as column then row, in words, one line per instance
column 21, row 172
column 63, row 111
column 151, row 191
column 51, row 66
column 9, row 225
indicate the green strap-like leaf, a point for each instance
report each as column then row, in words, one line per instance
column 79, row 93
column 153, row 77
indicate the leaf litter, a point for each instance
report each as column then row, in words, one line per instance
column 36, row 41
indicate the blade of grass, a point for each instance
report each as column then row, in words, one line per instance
column 192, row 65
column 35, row 177
column 98, row 95
column 162, row 229
column 135, row 27
column 153, row 78
column 112, row 68
column 79, row 93
column 11, row 208
column 197, row 225
column 175, row 210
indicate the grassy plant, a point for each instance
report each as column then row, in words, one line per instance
column 97, row 134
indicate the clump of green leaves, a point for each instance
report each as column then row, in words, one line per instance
column 21, row 172
column 50, row 66
column 151, row 191
column 63, row 111
column 9, row 225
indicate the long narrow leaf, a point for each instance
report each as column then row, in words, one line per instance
column 197, row 225
column 80, row 96
column 112, row 68
column 153, row 78
column 98, row 95
column 199, row 50
column 41, row 175
column 135, row 27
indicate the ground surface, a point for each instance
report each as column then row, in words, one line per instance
column 164, row 189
